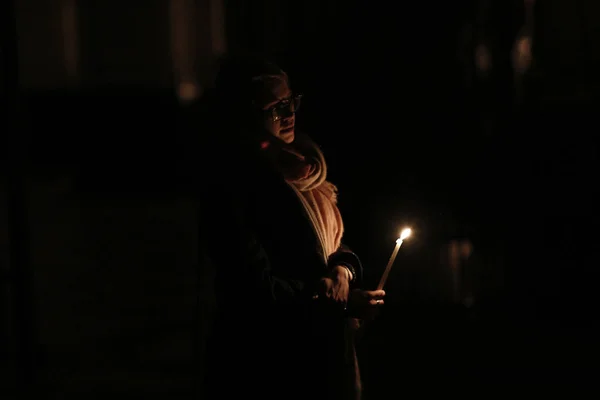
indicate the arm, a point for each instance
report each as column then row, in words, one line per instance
column 243, row 270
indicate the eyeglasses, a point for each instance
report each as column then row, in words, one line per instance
column 285, row 108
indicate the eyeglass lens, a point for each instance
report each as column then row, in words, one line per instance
column 286, row 108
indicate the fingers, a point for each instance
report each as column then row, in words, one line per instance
column 375, row 294
column 332, row 295
column 340, row 296
column 375, row 297
column 336, row 291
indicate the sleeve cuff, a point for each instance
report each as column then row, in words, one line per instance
column 349, row 260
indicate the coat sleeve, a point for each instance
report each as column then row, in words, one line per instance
column 243, row 270
column 345, row 256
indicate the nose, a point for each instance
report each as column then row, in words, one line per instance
column 288, row 121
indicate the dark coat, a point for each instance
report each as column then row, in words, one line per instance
column 270, row 338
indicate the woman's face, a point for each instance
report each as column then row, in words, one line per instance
column 277, row 104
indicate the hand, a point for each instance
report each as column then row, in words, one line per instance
column 335, row 287
column 365, row 304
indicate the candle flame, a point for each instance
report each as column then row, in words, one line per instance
column 405, row 233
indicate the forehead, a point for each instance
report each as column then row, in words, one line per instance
column 273, row 88
column 279, row 88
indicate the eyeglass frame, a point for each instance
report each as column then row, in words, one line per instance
column 293, row 106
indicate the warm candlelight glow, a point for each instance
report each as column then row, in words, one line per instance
column 405, row 233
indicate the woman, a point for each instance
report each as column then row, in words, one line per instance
column 285, row 286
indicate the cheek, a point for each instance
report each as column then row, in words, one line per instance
column 271, row 126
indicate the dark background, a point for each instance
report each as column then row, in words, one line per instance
column 105, row 289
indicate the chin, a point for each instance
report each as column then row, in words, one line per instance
column 288, row 137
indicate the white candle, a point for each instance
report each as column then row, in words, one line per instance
column 405, row 233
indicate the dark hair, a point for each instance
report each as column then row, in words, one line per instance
column 227, row 107
column 236, row 83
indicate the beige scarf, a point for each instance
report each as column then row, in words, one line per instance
column 305, row 170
